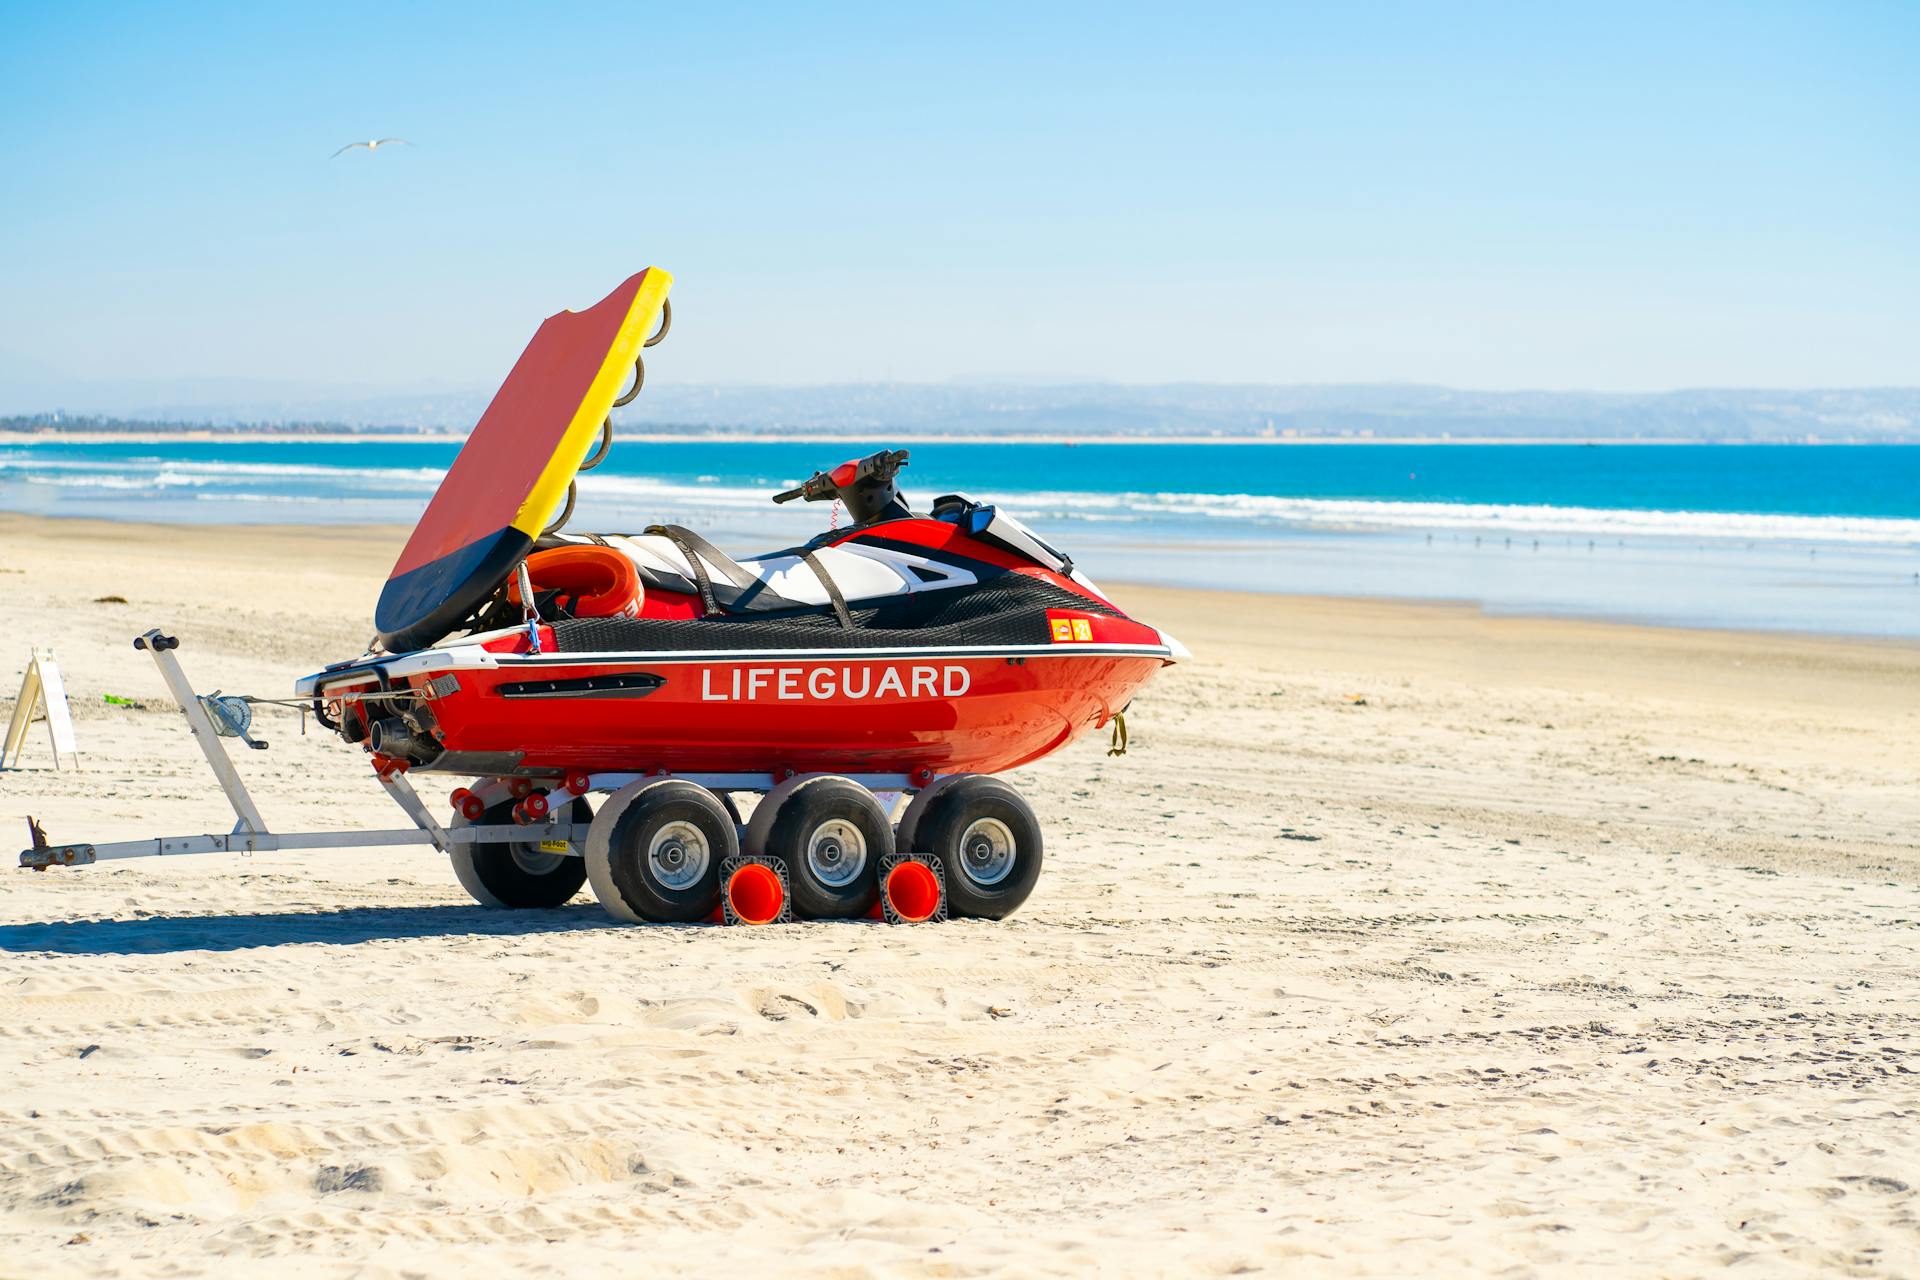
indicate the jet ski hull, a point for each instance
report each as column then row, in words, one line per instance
column 837, row 711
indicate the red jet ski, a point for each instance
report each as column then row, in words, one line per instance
column 906, row 654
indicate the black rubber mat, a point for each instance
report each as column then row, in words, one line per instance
column 1008, row 610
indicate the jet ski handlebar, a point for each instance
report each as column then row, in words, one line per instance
column 862, row 483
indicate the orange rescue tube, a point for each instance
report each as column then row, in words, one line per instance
column 593, row 581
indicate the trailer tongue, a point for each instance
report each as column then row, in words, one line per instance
column 250, row 833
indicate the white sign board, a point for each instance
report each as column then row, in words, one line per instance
column 42, row 687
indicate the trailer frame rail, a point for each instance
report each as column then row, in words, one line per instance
column 250, row 833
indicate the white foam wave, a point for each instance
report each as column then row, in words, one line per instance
column 191, row 471
column 640, row 495
column 628, row 490
column 1474, row 516
column 294, row 499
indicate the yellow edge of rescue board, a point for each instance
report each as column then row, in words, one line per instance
column 642, row 318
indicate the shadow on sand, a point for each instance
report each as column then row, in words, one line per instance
column 160, row 934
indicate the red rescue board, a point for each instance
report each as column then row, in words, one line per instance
column 513, row 471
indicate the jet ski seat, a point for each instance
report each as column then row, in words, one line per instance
column 1010, row 609
column 673, row 558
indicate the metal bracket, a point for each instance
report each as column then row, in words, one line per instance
column 410, row 802
column 43, row 855
column 162, row 647
column 62, row 855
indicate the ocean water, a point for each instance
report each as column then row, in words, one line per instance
column 1822, row 539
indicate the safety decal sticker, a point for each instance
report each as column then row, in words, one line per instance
column 1068, row 630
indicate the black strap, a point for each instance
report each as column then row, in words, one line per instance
column 833, row 589
column 754, row 594
column 684, row 538
column 685, row 542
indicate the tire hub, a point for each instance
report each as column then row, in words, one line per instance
column 987, row 852
column 836, row 853
column 678, row 855
column 534, row 860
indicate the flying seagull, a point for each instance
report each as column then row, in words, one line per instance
column 371, row 147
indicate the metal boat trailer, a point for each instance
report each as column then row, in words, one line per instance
column 250, row 833
column 756, row 886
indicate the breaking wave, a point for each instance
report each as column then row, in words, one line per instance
column 1339, row 513
column 400, row 492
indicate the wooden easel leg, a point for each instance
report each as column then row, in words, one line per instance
column 23, row 710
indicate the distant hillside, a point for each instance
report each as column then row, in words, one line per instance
column 55, row 424
column 1079, row 410
column 1891, row 414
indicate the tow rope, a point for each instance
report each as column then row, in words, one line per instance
column 1119, row 744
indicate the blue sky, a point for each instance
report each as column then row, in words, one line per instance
column 1619, row 197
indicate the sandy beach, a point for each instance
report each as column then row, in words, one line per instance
column 1405, row 940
